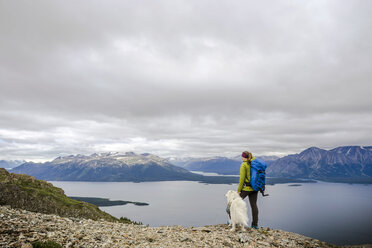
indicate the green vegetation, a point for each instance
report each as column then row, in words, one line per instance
column 128, row 221
column 104, row 202
column 263, row 231
column 45, row 244
column 26, row 192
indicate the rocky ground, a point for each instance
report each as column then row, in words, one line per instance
column 18, row 228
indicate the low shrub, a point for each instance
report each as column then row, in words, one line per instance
column 46, row 244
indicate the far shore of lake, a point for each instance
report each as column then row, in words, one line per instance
column 105, row 202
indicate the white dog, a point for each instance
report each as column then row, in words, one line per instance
column 238, row 209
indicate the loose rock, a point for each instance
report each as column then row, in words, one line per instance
column 19, row 228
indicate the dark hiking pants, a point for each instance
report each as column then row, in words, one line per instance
column 252, row 195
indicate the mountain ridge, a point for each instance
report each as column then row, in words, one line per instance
column 107, row 167
column 340, row 164
column 346, row 162
column 114, row 167
column 217, row 164
column 10, row 163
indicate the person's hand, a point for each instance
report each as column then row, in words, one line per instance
column 239, row 193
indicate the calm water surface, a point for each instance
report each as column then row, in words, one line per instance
column 332, row 212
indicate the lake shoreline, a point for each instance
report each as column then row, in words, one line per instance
column 106, row 202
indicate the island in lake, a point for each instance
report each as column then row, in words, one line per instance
column 105, row 202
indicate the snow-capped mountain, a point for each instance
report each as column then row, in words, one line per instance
column 107, row 167
column 341, row 162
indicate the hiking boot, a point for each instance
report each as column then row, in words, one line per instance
column 255, row 227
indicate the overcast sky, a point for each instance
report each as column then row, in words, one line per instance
column 183, row 78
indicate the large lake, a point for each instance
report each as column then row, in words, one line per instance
column 333, row 212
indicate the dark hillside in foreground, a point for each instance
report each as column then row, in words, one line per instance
column 26, row 192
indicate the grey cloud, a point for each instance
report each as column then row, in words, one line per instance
column 175, row 77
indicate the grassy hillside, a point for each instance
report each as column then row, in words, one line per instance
column 26, row 192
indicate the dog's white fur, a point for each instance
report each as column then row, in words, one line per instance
column 238, row 209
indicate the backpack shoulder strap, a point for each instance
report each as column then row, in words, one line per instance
column 247, row 181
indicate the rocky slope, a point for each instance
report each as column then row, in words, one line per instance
column 342, row 163
column 25, row 192
column 19, row 228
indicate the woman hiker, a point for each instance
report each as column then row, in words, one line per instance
column 244, row 189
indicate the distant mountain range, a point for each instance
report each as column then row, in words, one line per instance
column 106, row 167
column 113, row 167
column 220, row 165
column 343, row 164
column 10, row 163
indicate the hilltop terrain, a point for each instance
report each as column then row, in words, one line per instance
column 21, row 227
